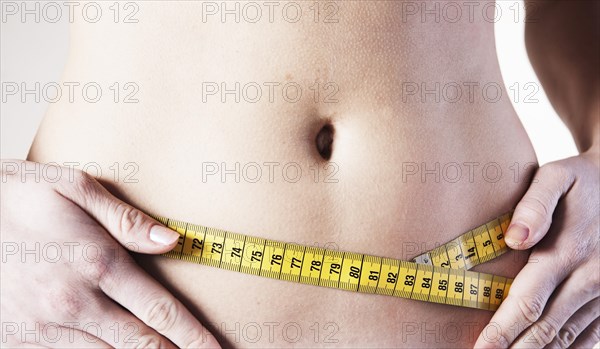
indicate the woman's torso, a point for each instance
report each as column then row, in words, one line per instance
column 410, row 100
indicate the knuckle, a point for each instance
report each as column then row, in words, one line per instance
column 579, row 257
column 94, row 269
column 81, row 179
column 558, row 170
column 80, row 186
column 147, row 341
column 531, row 308
column 589, row 291
column 538, row 207
column 595, row 333
column 543, row 331
column 567, row 335
column 495, row 336
column 499, row 342
column 129, row 218
column 162, row 314
column 591, row 283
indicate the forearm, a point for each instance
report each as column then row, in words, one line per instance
column 562, row 43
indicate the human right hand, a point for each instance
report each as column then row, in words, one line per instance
column 79, row 287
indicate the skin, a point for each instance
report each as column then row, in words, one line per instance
column 373, row 208
column 80, row 287
column 558, row 216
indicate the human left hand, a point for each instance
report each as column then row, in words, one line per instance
column 554, row 301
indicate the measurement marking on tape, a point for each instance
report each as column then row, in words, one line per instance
column 341, row 268
column 362, row 261
column 439, row 276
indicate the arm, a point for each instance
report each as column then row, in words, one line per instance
column 562, row 40
column 555, row 298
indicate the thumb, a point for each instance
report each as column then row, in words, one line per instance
column 533, row 214
column 131, row 227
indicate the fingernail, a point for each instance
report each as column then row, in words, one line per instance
column 162, row 235
column 516, row 234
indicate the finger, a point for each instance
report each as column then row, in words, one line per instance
column 590, row 336
column 533, row 214
column 121, row 329
column 576, row 324
column 97, row 317
column 131, row 227
column 149, row 301
column 524, row 304
column 576, row 291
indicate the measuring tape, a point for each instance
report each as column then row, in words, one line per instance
column 439, row 276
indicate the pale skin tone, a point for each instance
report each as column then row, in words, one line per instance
column 84, row 206
column 563, row 190
column 558, row 216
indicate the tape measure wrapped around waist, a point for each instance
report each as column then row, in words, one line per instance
column 439, row 276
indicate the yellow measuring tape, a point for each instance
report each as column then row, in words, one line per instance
column 439, row 276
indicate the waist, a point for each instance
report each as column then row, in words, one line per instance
column 388, row 169
column 393, row 186
column 415, row 161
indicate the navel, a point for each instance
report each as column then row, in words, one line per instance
column 324, row 141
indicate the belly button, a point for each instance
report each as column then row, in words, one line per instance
column 324, row 141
